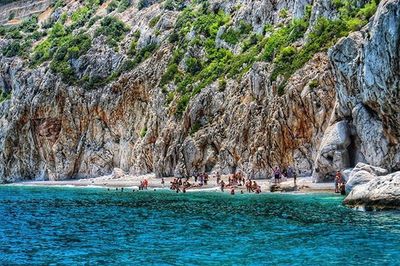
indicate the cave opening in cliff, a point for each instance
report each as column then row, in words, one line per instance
column 352, row 151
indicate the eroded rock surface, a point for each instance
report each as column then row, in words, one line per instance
column 381, row 192
column 367, row 72
column 337, row 110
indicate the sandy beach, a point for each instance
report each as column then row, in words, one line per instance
column 304, row 184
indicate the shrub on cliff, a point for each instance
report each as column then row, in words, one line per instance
column 113, row 28
column 13, row 49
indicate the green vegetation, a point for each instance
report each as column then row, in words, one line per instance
column 142, row 4
column 195, row 127
column 143, row 132
column 233, row 36
column 277, row 47
column 324, row 35
column 113, row 29
column 4, row 96
column 313, row 84
column 154, row 21
column 174, row 4
column 283, row 13
column 133, row 45
column 21, row 37
column 71, row 48
column 61, row 47
column 221, row 84
column 13, row 49
column 119, row 5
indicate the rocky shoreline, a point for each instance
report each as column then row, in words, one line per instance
column 304, row 185
column 372, row 188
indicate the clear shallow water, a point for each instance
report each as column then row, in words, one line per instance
column 95, row 226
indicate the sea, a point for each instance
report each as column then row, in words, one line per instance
column 95, row 226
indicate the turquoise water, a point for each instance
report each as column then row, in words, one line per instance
column 72, row 226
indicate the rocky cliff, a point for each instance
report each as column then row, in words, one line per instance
column 174, row 87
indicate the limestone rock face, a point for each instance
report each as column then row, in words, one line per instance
column 366, row 69
column 337, row 110
column 380, row 193
column 333, row 154
column 363, row 173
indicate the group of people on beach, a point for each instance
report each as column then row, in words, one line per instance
column 143, row 184
column 178, row 184
column 238, row 181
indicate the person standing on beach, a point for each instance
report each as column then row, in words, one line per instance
column 338, row 180
column 162, row 182
column 277, row 174
column 222, row 185
column 289, row 172
column 205, row 178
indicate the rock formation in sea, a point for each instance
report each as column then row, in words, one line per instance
column 372, row 188
column 173, row 87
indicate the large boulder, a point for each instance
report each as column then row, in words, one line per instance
column 363, row 173
column 380, row 193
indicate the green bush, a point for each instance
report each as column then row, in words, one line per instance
column 57, row 30
column 154, row 21
column 114, row 29
column 169, row 74
column 41, row 52
column 132, row 48
column 283, row 13
column 231, row 36
column 169, row 5
column 193, row 65
column 145, row 52
column 29, row 25
column 14, row 34
column 366, row 12
column 182, row 103
column 124, row 5
column 143, row 132
column 4, row 96
column 221, row 84
column 13, row 49
column 313, row 84
column 80, row 14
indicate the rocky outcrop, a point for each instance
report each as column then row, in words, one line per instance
column 22, row 9
column 331, row 115
column 366, row 69
column 362, row 174
column 380, row 193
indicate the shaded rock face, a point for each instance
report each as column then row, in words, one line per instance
column 380, row 193
column 49, row 130
column 367, row 72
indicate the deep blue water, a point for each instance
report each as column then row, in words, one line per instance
column 71, row 226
